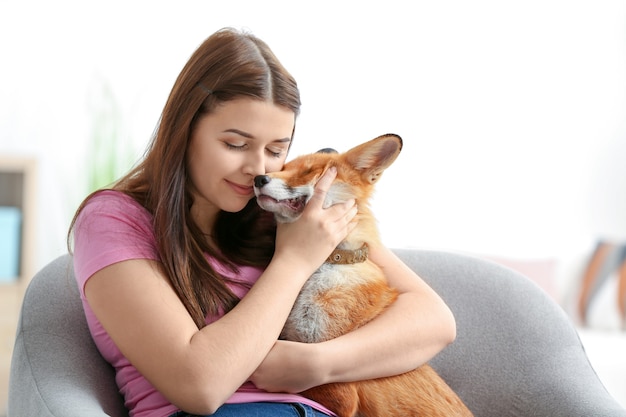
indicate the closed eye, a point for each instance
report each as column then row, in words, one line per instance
column 235, row 147
column 275, row 153
column 272, row 153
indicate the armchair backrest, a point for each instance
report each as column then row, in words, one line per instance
column 56, row 368
column 516, row 353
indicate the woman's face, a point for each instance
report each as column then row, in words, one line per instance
column 239, row 140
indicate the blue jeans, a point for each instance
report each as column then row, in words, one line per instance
column 261, row 410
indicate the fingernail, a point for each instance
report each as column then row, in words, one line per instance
column 333, row 170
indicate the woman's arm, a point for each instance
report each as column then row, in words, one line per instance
column 198, row 370
column 408, row 334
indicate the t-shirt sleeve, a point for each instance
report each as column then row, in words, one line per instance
column 111, row 228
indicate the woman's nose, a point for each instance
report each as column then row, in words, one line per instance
column 255, row 165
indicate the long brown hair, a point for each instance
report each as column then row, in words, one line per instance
column 229, row 64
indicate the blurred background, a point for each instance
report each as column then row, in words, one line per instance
column 513, row 116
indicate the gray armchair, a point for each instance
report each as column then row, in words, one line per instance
column 516, row 352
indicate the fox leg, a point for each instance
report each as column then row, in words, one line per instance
column 421, row 392
column 342, row 398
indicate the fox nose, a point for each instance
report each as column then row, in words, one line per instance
column 261, row 180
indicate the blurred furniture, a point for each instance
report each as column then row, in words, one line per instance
column 516, row 352
column 17, row 251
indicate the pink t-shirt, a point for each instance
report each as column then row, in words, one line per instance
column 113, row 228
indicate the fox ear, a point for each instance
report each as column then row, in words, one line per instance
column 327, row 150
column 375, row 156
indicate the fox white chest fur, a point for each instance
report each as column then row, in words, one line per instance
column 316, row 315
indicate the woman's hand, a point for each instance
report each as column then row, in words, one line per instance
column 318, row 231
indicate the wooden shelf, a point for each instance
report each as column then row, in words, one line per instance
column 18, row 179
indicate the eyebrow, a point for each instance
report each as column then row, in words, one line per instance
column 249, row 136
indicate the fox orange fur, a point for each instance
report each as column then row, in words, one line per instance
column 339, row 298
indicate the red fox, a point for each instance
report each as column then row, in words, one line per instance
column 349, row 290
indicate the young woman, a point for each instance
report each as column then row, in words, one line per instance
column 165, row 257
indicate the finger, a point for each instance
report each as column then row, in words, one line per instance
column 344, row 215
column 351, row 219
column 354, row 210
column 322, row 186
column 343, row 212
column 351, row 226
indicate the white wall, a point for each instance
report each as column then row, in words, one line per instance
column 512, row 113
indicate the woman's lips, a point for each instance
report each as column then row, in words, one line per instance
column 241, row 189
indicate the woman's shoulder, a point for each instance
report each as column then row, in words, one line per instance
column 115, row 205
column 111, row 211
column 111, row 200
column 110, row 228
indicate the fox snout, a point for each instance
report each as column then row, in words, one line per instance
column 261, row 180
column 285, row 202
